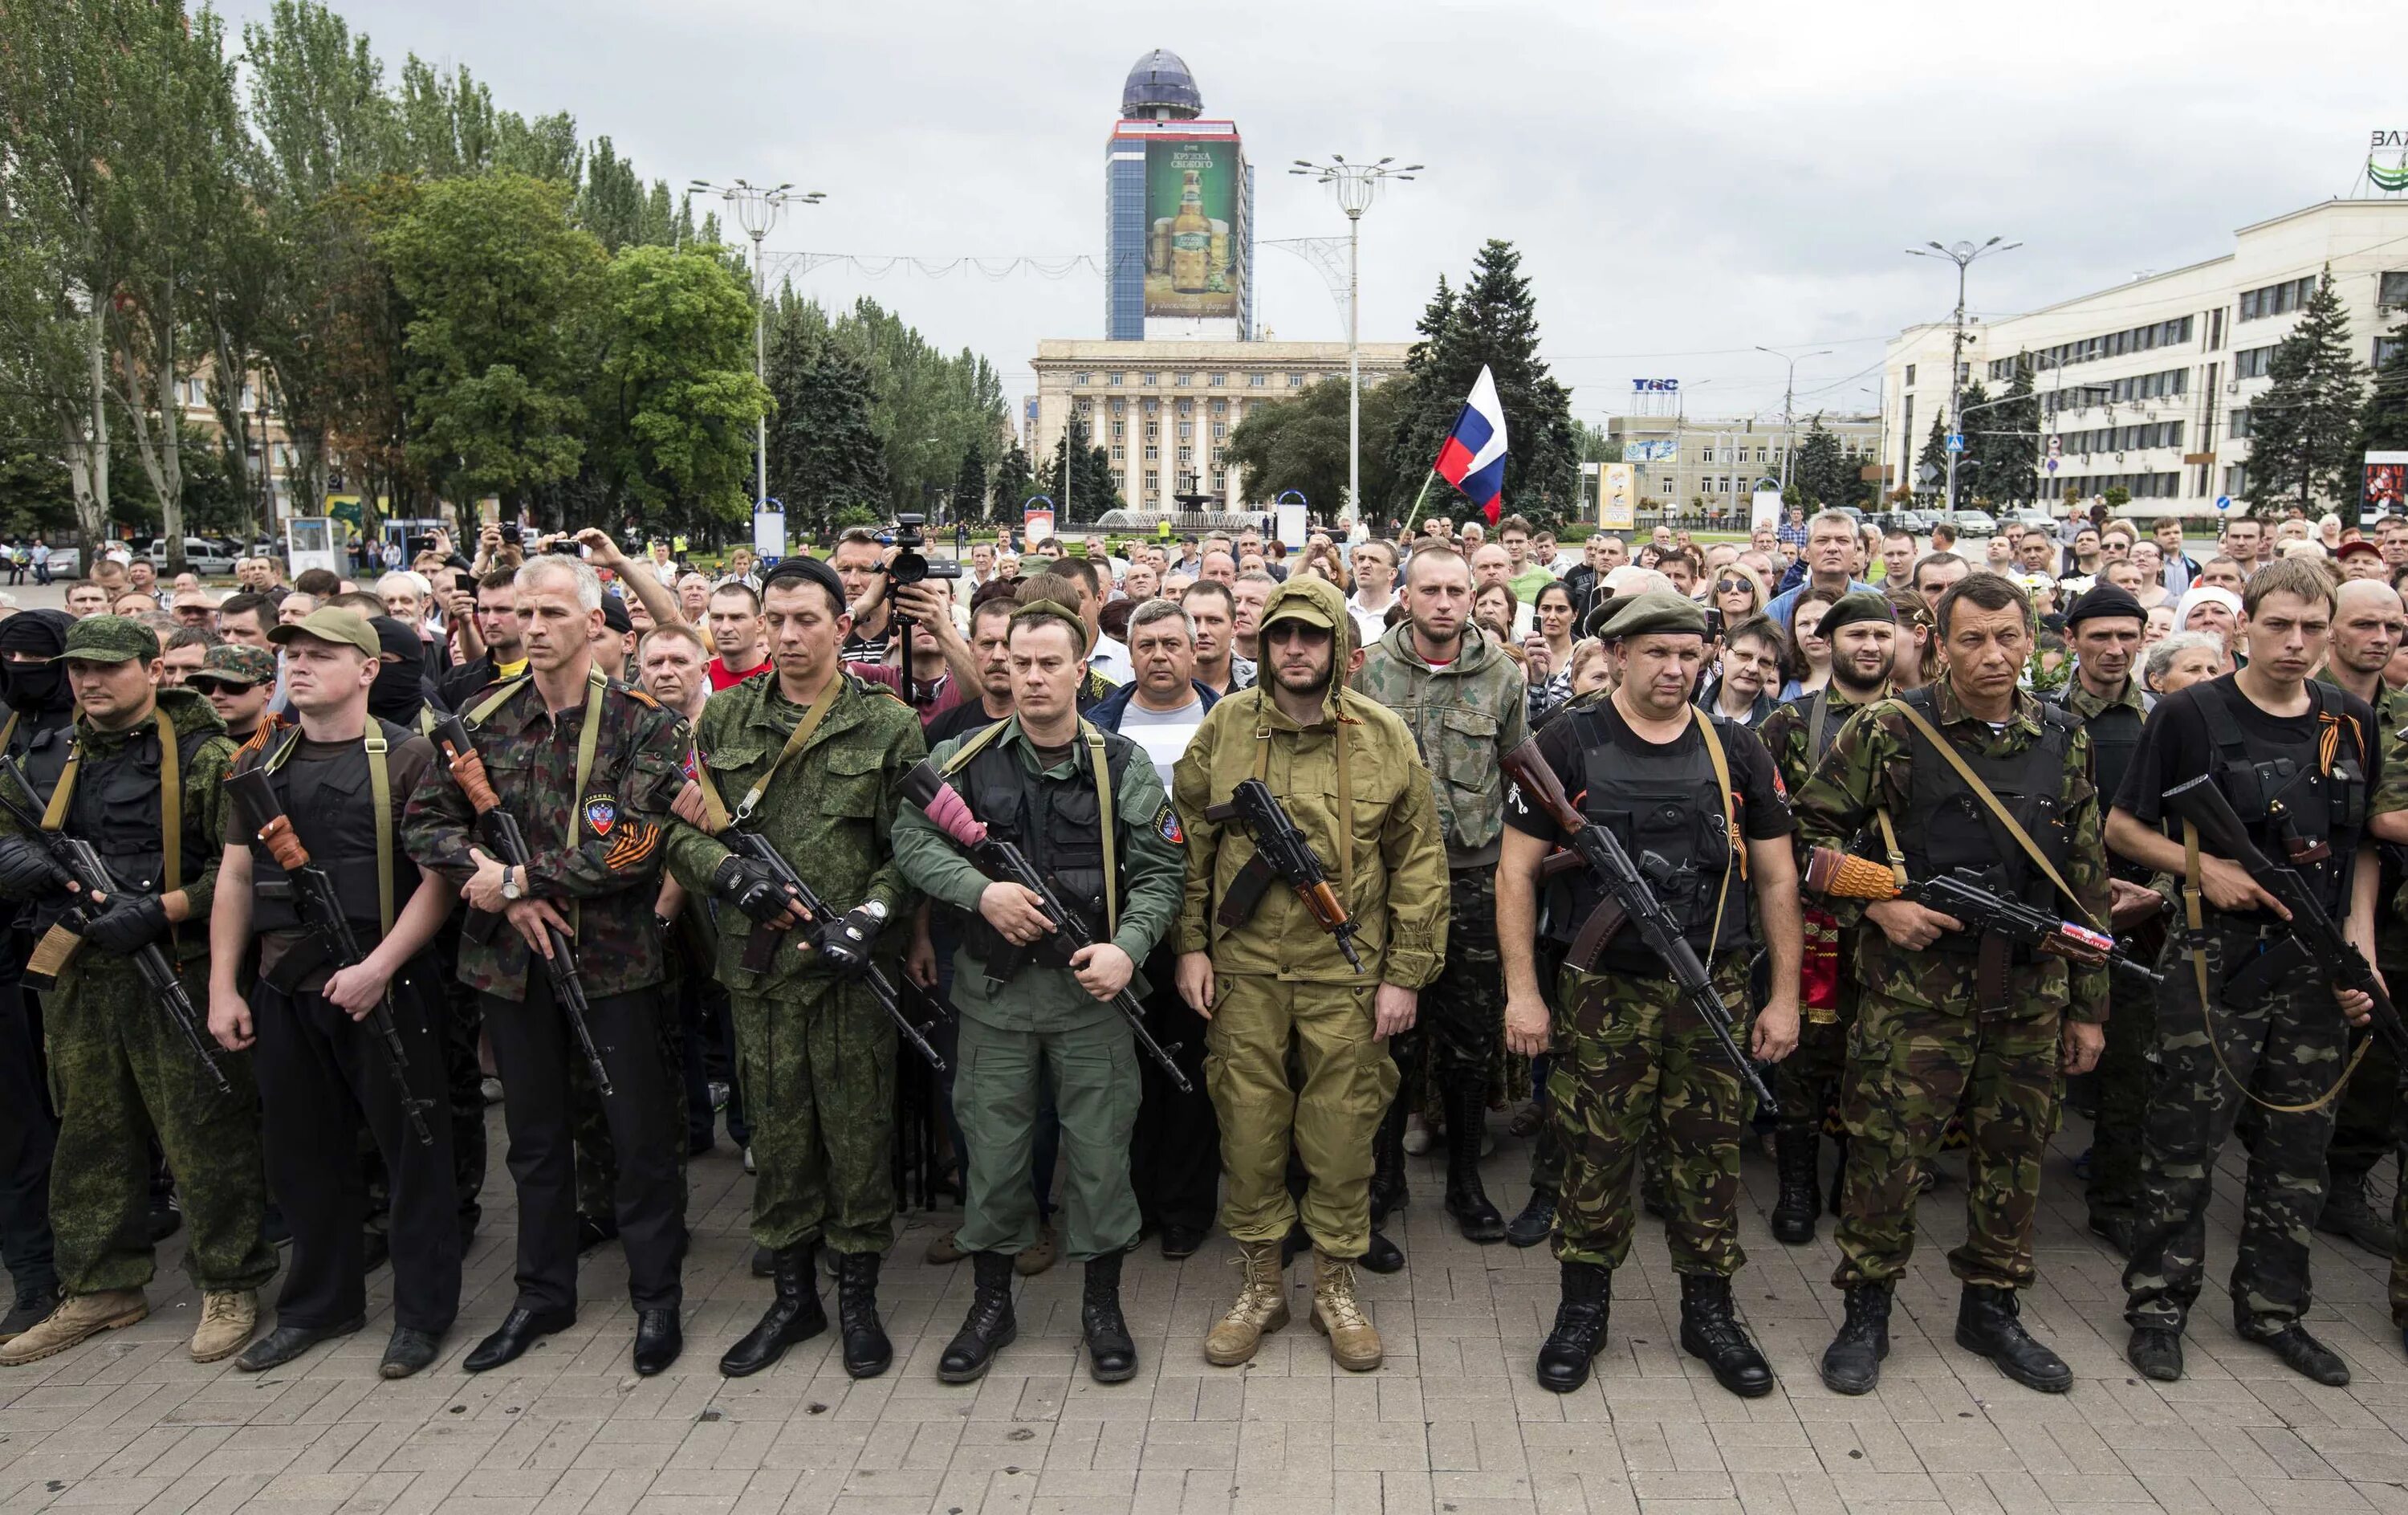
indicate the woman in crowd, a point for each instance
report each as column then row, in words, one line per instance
column 1737, row 593
column 1548, row 650
column 2151, row 560
column 1493, row 608
column 1809, row 656
column 2182, row 660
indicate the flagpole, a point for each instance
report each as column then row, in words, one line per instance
column 1408, row 528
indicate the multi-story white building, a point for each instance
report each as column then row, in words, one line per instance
column 1165, row 409
column 1684, row 463
column 2148, row 384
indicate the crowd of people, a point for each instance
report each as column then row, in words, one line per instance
column 1129, row 891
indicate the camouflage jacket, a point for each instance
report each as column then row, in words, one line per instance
column 1787, row 734
column 1870, row 767
column 1465, row 717
column 596, row 854
column 829, row 812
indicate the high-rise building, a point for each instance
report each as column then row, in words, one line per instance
column 1179, row 213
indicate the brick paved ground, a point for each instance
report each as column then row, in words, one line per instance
column 1452, row 1423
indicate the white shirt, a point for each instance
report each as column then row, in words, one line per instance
column 1370, row 625
column 1163, row 735
column 1111, row 659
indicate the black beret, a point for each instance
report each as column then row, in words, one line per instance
column 2105, row 599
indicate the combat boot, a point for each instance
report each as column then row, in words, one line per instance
column 990, row 1326
column 1579, row 1335
column 1795, row 1154
column 1536, row 1222
column 2347, row 1214
column 1467, row 1105
column 868, row 1354
column 77, row 1317
column 1713, row 1335
column 1111, row 1354
column 794, row 1315
column 1851, row 1364
column 1988, row 1324
column 1353, row 1341
column 1261, row 1307
column 2156, row 1351
column 228, row 1317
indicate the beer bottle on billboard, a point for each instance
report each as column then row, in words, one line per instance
column 1191, row 240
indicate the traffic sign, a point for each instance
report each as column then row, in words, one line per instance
column 2224, row 502
column 1955, row 441
column 1926, row 473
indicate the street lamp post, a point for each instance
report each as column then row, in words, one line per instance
column 1355, row 186
column 757, row 210
column 1788, row 421
column 1963, row 255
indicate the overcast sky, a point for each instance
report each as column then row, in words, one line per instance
column 1685, row 180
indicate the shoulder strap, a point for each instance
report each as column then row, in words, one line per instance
column 1814, row 718
column 171, row 803
column 1101, row 759
column 1989, row 800
column 795, row 741
column 476, row 715
column 380, row 791
column 977, row 744
column 1721, row 761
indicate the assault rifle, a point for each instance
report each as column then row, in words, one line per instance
column 1635, row 901
column 1977, row 901
column 761, row 948
column 321, row 913
column 925, row 786
column 2314, row 939
column 502, row 833
column 1281, row 852
column 76, row 860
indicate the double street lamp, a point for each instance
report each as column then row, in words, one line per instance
column 758, row 211
column 1356, row 185
column 1963, row 255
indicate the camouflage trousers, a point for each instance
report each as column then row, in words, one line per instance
column 1909, row 1070
column 818, row 1066
column 2285, row 1049
column 2126, row 1067
column 1462, row 1018
column 120, row 1074
column 1634, row 1066
column 1807, row 1081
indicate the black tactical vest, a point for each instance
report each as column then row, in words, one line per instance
column 332, row 802
column 1665, row 806
column 2115, row 737
column 116, row 805
column 2320, row 804
column 1057, row 823
column 1947, row 826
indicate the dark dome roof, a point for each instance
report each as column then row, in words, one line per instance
column 1161, row 81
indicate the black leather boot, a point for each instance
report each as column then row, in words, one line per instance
column 1382, row 1255
column 2156, row 1351
column 1713, row 1335
column 2346, row 1213
column 1579, row 1335
column 1467, row 1109
column 1111, row 1355
column 1987, row 1324
column 868, row 1354
column 1851, row 1364
column 794, row 1315
column 990, row 1326
column 1794, row 1214
column 1536, row 1222
column 1388, row 1191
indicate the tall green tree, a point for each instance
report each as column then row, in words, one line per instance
column 1822, row 474
column 1934, row 456
column 970, row 483
column 1302, row 444
column 2004, row 442
column 1491, row 322
column 824, row 456
column 1079, row 476
column 2304, row 431
column 1014, row 481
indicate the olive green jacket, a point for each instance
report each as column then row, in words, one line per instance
column 1464, row 718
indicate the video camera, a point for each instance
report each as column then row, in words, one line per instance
column 910, row 564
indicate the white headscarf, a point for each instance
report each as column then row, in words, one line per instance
column 2200, row 594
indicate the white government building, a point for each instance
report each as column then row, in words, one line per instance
column 2148, row 384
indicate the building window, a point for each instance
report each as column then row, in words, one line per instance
column 1082, row 379
column 1220, row 430
column 1119, row 452
column 1120, row 429
column 2391, row 289
column 1295, row 380
column 1153, row 454
column 1910, row 376
column 2388, row 348
column 2276, row 300
column 1183, row 380
column 1117, row 378
column 2252, row 362
column 1218, row 379
column 1220, row 407
column 1258, row 379
column 1151, row 379
column 1187, row 431
column 2237, row 422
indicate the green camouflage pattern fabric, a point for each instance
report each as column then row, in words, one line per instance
column 1464, row 718
column 817, row 1060
column 1869, row 767
column 2288, row 1049
column 598, row 851
column 2126, row 1070
column 1634, row 1067
column 1909, row 1068
column 830, row 812
column 1462, row 1016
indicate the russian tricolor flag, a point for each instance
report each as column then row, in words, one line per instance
column 1473, row 458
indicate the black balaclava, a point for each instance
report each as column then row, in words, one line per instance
column 398, row 696
column 34, row 688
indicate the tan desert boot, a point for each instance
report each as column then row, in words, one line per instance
column 77, row 1317
column 1261, row 1307
column 228, row 1317
column 1353, row 1341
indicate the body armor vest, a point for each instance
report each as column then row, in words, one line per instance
column 2321, row 803
column 2115, row 737
column 1947, row 826
column 1665, row 801
column 116, row 805
column 331, row 804
column 1057, row 823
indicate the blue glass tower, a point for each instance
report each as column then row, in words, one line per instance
column 1175, row 268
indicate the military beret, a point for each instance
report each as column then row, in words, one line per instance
column 808, row 569
column 111, row 639
column 1656, row 611
column 1857, row 605
column 235, row 662
column 615, row 616
column 2103, row 600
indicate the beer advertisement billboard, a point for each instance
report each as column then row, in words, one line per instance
column 1193, row 235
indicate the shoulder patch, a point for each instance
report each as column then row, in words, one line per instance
column 601, row 812
column 1165, row 824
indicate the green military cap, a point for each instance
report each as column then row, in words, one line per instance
column 1054, row 609
column 1857, row 605
column 332, row 623
column 233, row 662
column 111, row 639
column 1655, row 610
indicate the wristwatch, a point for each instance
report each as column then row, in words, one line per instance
column 510, row 889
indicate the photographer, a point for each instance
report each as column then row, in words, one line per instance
column 866, row 567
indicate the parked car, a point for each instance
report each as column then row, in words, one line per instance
column 1972, row 523
column 209, row 556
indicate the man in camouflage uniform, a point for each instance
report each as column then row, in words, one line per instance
column 812, row 758
column 1034, row 1019
column 1277, row 990
column 1464, row 701
column 1941, row 1028
column 122, row 1070
column 1863, row 631
column 589, row 770
column 2239, row 1019
column 1631, row 1059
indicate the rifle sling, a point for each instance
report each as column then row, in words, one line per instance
column 380, row 791
column 589, row 739
column 171, row 804
column 1344, row 823
column 1990, row 801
